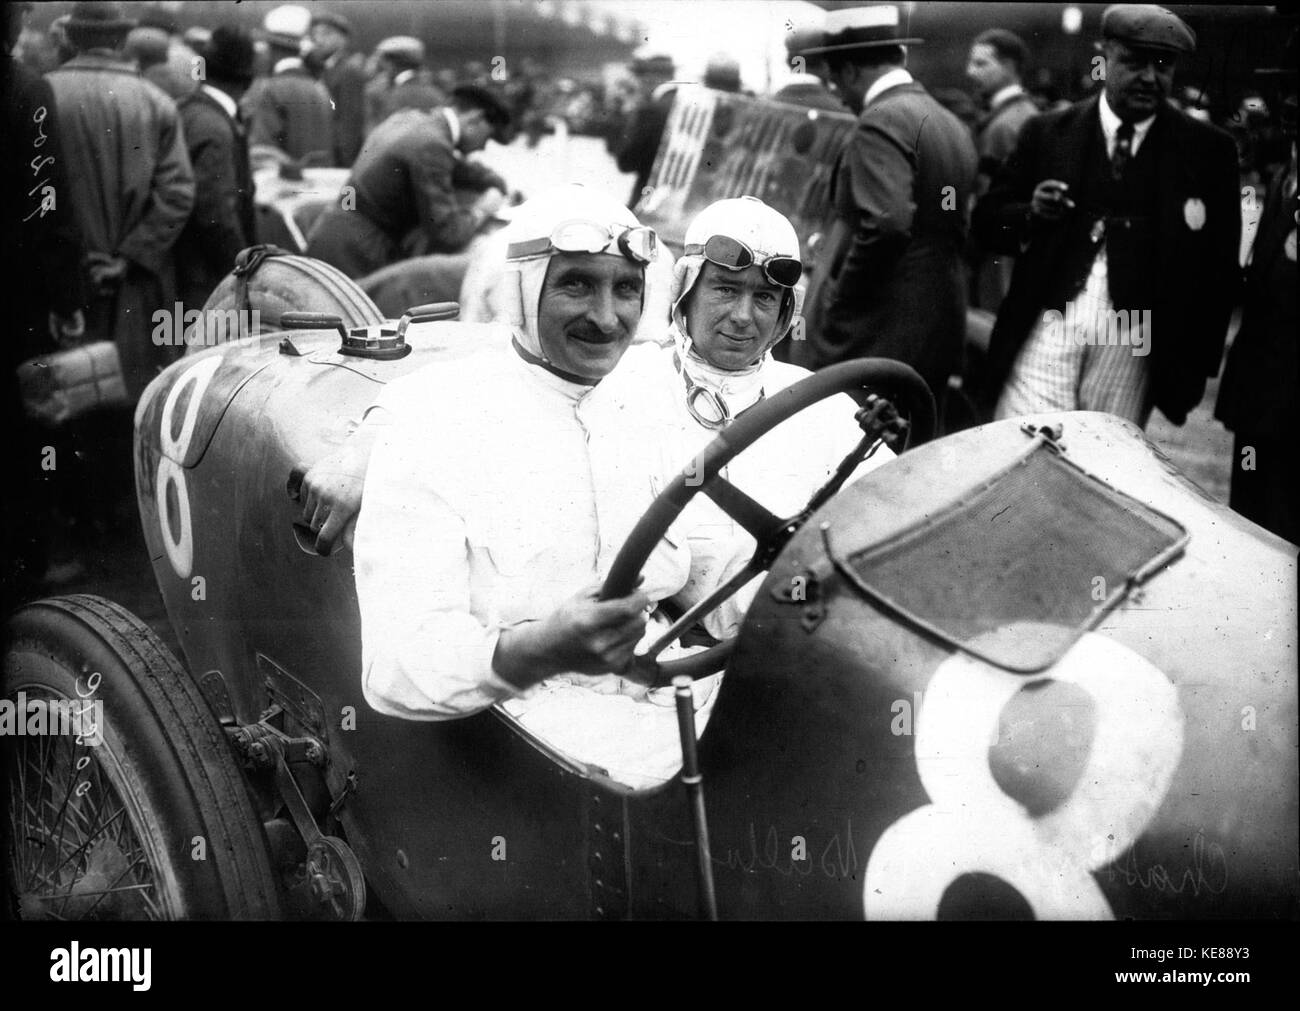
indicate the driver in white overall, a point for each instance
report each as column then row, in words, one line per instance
column 736, row 295
column 496, row 497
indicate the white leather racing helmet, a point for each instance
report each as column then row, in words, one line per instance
column 735, row 233
column 570, row 218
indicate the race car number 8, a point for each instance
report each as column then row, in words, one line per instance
column 179, row 543
column 971, row 826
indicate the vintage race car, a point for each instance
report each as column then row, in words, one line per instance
column 1024, row 670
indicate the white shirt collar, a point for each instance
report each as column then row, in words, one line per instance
column 453, row 121
column 222, row 99
column 288, row 63
column 804, row 79
column 1005, row 94
column 403, row 77
column 889, row 79
column 1110, row 127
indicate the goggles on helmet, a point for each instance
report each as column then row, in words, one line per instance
column 637, row 244
column 733, row 254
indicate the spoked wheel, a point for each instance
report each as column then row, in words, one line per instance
column 124, row 802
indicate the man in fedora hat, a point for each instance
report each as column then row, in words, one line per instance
column 1124, row 216
column 343, row 73
column 895, row 284
column 133, row 188
column 222, row 222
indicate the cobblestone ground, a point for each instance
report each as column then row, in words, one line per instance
column 118, row 567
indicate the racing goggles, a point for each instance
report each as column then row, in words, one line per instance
column 733, row 254
column 638, row 244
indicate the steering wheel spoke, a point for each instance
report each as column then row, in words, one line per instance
column 690, row 616
column 755, row 517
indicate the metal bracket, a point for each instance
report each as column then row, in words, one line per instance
column 332, row 873
column 804, row 588
column 213, row 686
column 1050, row 435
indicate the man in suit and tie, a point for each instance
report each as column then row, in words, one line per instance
column 895, row 283
column 221, row 223
column 1124, row 217
column 405, row 182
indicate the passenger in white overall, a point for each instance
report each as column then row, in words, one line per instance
column 735, row 296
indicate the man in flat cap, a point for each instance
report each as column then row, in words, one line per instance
column 404, row 186
column 1124, row 216
column 343, row 73
column 895, row 285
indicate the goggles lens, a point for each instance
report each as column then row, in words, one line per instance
column 733, row 254
column 638, row 244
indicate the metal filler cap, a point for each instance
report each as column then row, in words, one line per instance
column 380, row 341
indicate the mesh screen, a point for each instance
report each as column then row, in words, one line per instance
column 1010, row 573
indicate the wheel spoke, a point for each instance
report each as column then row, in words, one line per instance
column 111, row 888
column 87, row 841
column 119, row 888
column 53, row 837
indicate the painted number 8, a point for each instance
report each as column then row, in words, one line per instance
column 971, row 826
column 180, row 543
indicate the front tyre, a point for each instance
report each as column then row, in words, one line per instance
column 134, row 807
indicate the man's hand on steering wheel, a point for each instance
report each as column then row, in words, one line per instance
column 584, row 635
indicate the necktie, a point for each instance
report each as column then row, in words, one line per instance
column 1123, row 150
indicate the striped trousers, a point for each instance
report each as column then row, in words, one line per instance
column 1088, row 358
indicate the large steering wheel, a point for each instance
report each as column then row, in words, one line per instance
column 771, row 532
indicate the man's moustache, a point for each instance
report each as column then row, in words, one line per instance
column 593, row 334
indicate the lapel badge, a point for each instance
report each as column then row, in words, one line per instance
column 1194, row 213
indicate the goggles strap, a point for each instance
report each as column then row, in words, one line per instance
column 533, row 359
